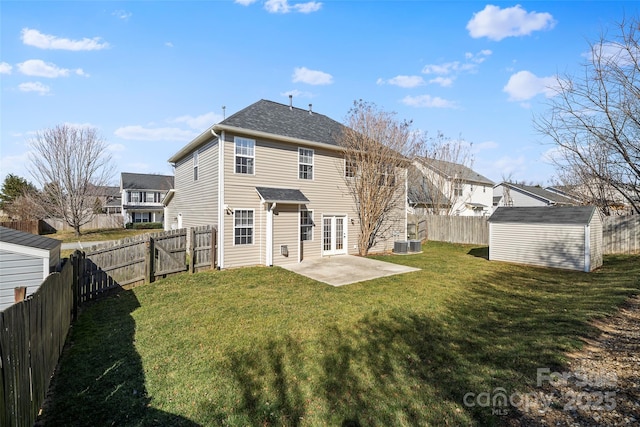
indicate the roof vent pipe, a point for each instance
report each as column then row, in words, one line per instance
column 310, row 109
column 224, row 109
column 290, row 102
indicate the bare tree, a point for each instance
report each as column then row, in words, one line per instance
column 438, row 174
column 71, row 164
column 377, row 148
column 595, row 117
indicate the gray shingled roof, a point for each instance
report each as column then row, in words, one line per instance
column 450, row 169
column 542, row 193
column 279, row 119
column 16, row 237
column 145, row 181
column 282, row 195
column 569, row 215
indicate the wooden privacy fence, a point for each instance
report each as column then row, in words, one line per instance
column 28, row 226
column 33, row 332
column 146, row 257
column 32, row 335
column 621, row 234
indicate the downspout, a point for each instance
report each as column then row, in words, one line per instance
column 221, row 204
column 269, row 239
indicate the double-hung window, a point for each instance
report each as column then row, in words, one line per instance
column 306, row 225
column 245, row 155
column 243, row 227
column 457, row 189
column 305, row 163
column 350, row 168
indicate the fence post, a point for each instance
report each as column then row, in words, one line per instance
column 149, row 258
column 191, row 250
column 19, row 293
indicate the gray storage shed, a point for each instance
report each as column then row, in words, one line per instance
column 25, row 260
column 568, row 237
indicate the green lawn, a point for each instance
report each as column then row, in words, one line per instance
column 264, row 346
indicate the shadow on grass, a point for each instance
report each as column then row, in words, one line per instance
column 101, row 381
column 403, row 367
column 482, row 252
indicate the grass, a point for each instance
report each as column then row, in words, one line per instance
column 94, row 235
column 264, row 346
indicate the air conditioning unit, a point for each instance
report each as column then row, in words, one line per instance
column 415, row 245
column 400, row 246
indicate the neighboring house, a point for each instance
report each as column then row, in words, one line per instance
column 142, row 196
column 25, row 261
column 568, row 237
column 271, row 177
column 608, row 199
column 519, row 195
column 461, row 190
column 110, row 198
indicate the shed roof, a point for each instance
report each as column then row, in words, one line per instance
column 282, row 195
column 16, row 237
column 569, row 215
column 145, row 181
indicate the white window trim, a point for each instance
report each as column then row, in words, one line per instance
column 310, row 225
column 313, row 156
column 253, row 227
column 355, row 171
column 236, row 155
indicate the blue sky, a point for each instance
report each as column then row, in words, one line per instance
column 151, row 75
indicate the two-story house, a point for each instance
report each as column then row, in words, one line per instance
column 271, row 178
column 142, row 196
column 454, row 189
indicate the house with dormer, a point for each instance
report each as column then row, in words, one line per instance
column 272, row 179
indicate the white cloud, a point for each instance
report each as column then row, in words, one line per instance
column 525, row 85
column 447, row 71
column 297, row 94
column 200, row 122
column 403, row 81
column 140, row 133
column 45, row 41
column 5, row 68
column 39, row 68
column 507, row 165
column 15, row 164
column 283, row 6
column 442, row 81
column 312, row 77
column 34, row 87
column 482, row 146
column 245, row 2
column 428, row 101
column 496, row 24
column 168, row 44
column 122, row 14
column 80, row 125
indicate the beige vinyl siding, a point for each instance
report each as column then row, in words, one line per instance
column 286, row 227
column 560, row 246
column 595, row 230
column 276, row 165
column 197, row 201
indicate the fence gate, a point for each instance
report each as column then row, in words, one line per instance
column 171, row 253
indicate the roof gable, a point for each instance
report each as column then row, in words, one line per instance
column 16, row 237
column 567, row 215
column 459, row 171
column 540, row 192
column 144, row 181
